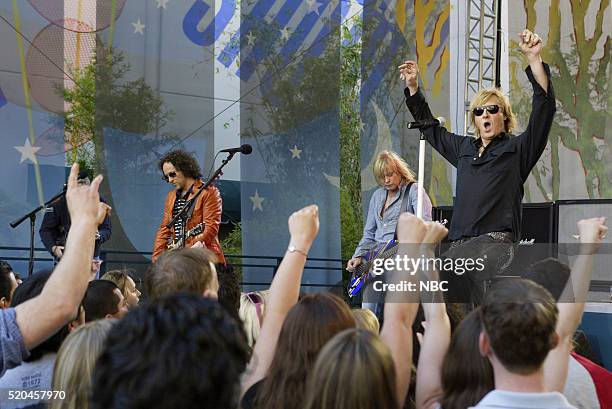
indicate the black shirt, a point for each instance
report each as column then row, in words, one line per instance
column 489, row 188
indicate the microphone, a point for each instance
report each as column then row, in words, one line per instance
column 245, row 149
column 427, row 123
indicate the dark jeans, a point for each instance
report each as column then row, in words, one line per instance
column 493, row 251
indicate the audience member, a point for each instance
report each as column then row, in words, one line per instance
column 8, row 284
column 229, row 291
column 378, row 369
column 75, row 364
column 366, row 319
column 35, row 320
column 354, row 370
column 467, row 376
column 519, row 319
column 189, row 270
column 571, row 308
column 126, row 284
column 579, row 388
column 104, row 300
column 180, row 351
column 252, row 312
column 313, row 321
column 36, row 372
column 284, row 292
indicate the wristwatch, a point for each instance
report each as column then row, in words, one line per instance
column 293, row 249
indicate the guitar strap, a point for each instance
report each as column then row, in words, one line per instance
column 189, row 203
column 403, row 205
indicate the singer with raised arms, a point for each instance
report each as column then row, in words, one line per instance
column 492, row 166
column 200, row 225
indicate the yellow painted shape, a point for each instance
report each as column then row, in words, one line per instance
column 26, row 93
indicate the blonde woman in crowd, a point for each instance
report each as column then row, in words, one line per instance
column 126, row 284
column 252, row 312
column 354, row 370
column 366, row 319
column 75, row 363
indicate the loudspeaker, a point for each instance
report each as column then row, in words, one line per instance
column 537, row 232
column 538, row 236
column 568, row 214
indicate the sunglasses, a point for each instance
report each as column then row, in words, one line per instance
column 258, row 301
column 492, row 109
column 168, row 176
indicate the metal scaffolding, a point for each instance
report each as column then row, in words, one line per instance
column 481, row 50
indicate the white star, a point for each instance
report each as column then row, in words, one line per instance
column 27, row 151
column 313, row 6
column 138, row 27
column 361, row 125
column 257, row 201
column 285, row 34
column 250, row 39
column 162, row 3
column 295, row 152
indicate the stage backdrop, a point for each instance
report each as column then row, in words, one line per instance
column 395, row 31
column 577, row 163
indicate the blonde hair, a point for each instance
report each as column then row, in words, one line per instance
column 354, row 370
column 252, row 311
column 390, row 161
column 74, row 366
column 504, row 105
column 366, row 319
column 120, row 278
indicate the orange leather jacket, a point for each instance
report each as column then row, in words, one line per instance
column 207, row 210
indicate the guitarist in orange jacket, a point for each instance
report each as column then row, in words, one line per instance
column 396, row 180
column 202, row 222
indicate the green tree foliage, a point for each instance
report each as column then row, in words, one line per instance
column 102, row 99
column 351, row 216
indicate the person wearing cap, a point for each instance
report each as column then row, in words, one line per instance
column 56, row 223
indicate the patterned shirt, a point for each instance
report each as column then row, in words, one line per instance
column 179, row 203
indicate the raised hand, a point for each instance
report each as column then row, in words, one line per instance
column 409, row 73
column 592, row 232
column 84, row 200
column 435, row 233
column 531, row 44
column 410, row 229
column 304, row 226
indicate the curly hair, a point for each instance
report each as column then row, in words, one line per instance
column 183, row 161
column 178, row 351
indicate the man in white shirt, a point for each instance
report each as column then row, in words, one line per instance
column 519, row 319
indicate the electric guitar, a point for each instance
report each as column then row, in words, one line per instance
column 362, row 273
column 180, row 243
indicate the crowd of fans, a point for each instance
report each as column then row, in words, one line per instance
column 197, row 341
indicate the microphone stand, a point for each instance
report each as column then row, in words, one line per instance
column 32, row 216
column 421, row 175
column 192, row 201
